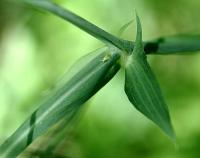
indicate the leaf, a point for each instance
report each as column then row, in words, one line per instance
column 143, row 89
column 50, row 143
column 82, row 62
column 65, row 101
column 174, row 44
column 124, row 27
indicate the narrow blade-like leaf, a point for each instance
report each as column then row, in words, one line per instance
column 64, row 101
column 124, row 27
column 143, row 89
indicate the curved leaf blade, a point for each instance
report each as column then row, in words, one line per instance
column 64, row 101
column 142, row 88
column 124, row 27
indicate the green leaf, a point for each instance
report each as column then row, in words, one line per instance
column 65, row 101
column 124, row 27
column 174, row 44
column 143, row 89
column 47, row 144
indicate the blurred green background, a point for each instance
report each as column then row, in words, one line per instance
column 36, row 48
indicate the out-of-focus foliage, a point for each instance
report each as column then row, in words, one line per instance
column 36, row 48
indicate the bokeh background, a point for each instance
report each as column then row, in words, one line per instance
column 36, row 48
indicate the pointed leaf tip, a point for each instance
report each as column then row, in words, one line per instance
column 138, row 49
column 139, row 29
column 124, row 27
column 143, row 90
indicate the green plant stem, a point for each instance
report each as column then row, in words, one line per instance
column 79, row 22
column 163, row 47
